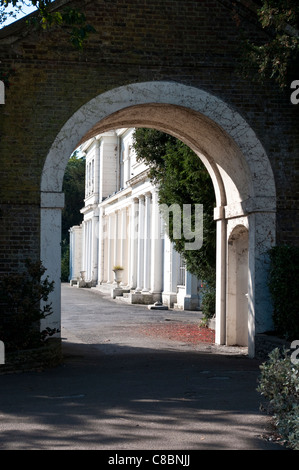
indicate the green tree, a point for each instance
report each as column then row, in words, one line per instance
column 71, row 20
column 277, row 56
column 74, row 190
column 181, row 179
column 284, row 270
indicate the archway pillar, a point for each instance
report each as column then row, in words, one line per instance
column 262, row 233
column 52, row 204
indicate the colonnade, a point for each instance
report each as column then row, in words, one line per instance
column 128, row 231
column 130, row 236
column 90, row 249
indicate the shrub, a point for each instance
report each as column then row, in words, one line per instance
column 21, row 310
column 65, row 263
column 208, row 303
column 283, row 276
column 279, row 384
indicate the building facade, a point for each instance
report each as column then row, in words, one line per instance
column 123, row 226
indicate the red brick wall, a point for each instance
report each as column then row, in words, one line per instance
column 193, row 42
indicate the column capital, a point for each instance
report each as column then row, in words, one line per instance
column 52, row 200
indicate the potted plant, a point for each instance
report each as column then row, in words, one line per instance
column 118, row 274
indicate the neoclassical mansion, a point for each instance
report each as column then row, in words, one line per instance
column 122, row 226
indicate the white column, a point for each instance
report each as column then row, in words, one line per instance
column 101, row 237
column 90, row 250
column 94, row 237
column 140, row 246
column 221, row 243
column 126, row 167
column 156, row 247
column 97, row 171
column 133, row 243
column 76, row 258
column 109, row 250
column 147, row 243
column 88, row 267
column 123, row 237
column 115, row 237
column 84, row 252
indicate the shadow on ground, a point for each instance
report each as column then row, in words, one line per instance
column 121, row 398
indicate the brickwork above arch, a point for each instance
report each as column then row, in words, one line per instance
column 191, row 43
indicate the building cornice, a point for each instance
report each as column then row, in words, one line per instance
column 138, row 178
column 88, row 208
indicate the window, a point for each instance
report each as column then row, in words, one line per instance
column 182, row 272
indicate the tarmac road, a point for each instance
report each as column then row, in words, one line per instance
column 120, row 390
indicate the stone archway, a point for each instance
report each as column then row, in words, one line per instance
column 233, row 155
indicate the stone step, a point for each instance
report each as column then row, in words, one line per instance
column 123, row 298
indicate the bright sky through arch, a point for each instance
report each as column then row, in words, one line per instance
column 26, row 10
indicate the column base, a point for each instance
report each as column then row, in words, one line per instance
column 169, row 298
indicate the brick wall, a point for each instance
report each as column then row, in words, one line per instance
column 194, row 42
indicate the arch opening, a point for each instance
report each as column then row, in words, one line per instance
column 234, row 158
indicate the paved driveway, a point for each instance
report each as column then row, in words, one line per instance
column 123, row 388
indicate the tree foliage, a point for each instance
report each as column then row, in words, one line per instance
column 279, row 384
column 181, row 179
column 277, row 57
column 74, row 191
column 71, row 20
column 283, row 275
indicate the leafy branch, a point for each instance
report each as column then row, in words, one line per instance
column 72, row 20
column 21, row 309
column 277, row 57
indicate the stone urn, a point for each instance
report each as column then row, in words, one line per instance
column 118, row 274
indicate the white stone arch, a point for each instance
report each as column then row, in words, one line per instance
column 234, row 156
